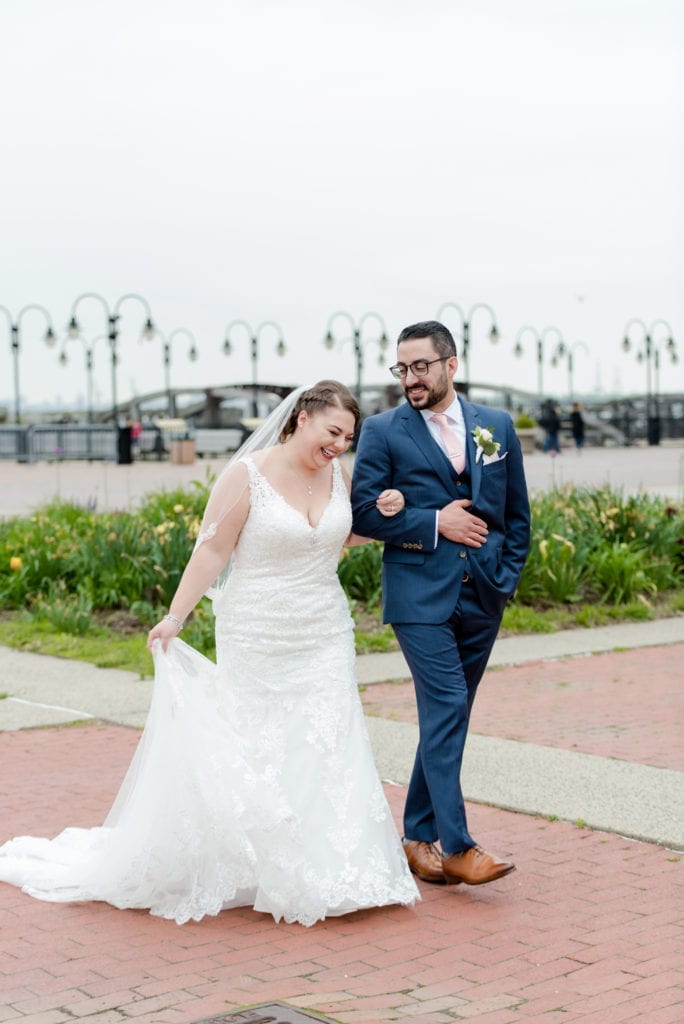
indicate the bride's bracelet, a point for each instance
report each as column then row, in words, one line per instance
column 179, row 622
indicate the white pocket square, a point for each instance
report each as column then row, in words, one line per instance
column 496, row 457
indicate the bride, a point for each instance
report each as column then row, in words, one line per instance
column 253, row 783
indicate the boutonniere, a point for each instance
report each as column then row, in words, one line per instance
column 484, row 442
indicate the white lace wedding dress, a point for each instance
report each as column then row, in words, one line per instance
column 253, row 782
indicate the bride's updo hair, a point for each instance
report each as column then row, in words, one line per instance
column 319, row 397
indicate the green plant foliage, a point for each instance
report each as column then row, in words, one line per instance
column 67, row 612
column 521, row 618
column 573, row 554
column 360, row 571
column 104, row 648
column 619, row 573
column 595, row 554
column 379, row 640
column 111, row 560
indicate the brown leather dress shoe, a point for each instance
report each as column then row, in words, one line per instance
column 474, row 867
column 424, row 861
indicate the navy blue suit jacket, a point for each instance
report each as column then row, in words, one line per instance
column 421, row 578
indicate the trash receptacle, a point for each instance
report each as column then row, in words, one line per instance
column 182, row 451
column 653, row 430
column 124, row 447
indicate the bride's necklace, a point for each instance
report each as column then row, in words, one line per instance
column 307, row 483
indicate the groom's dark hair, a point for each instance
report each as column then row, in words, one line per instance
column 440, row 336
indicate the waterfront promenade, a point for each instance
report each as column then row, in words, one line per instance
column 106, row 485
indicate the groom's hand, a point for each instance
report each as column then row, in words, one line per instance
column 456, row 523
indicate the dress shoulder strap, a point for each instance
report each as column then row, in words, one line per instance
column 251, row 468
column 259, row 486
column 339, row 483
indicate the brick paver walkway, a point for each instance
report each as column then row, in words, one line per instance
column 625, row 704
column 588, row 929
column 585, row 929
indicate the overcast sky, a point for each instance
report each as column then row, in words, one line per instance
column 283, row 159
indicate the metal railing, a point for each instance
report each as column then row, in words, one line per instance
column 90, row 442
column 55, row 442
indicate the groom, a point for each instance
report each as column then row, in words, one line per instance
column 451, row 561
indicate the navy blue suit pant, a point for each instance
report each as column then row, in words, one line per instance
column 447, row 661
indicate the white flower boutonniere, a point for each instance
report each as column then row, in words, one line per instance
column 484, row 442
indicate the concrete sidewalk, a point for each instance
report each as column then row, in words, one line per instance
column 635, row 800
column 514, row 650
column 105, row 485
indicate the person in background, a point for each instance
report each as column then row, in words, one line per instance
column 550, row 421
column 577, row 423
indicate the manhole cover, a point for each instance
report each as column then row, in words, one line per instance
column 268, row 1013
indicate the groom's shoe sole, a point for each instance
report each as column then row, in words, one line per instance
column 424, row 861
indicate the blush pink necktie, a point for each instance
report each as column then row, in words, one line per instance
column 453, row 449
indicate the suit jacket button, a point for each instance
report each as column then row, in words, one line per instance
column 462, row 554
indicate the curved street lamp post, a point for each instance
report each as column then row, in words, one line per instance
column 14, row 325
column 89, row 349
column 358, row 341
column 193, row 353
column 112, row 316
column 254, row 339
column 466, row 321
column 649, row 352
column 570, row 353
column 540, row 338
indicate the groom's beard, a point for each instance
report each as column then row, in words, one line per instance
column 425, row 396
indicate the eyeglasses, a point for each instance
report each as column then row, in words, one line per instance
column 420, row 368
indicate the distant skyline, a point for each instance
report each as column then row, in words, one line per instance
column 280, row 161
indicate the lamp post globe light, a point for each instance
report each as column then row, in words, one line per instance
column 254, row 338
column 648, row 351
column 540, row 338
column 358, row 341
column 14, row 327
column 466, row 322
column 89, row 349
column 193, row 354
column 112, row 317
